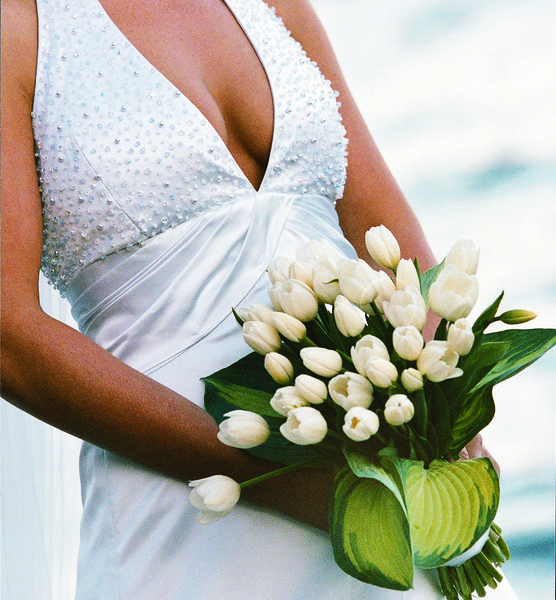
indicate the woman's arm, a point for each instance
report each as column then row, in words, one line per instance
column 58, row 375
column 372, row 196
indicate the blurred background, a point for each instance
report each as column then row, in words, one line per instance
column 460, row 96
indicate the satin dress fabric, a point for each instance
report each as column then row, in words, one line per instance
column 153, row 233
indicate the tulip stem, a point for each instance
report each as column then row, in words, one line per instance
column 277, row 473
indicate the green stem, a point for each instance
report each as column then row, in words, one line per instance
column 277, row 472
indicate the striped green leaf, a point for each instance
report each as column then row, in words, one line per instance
column 450, row 506
column 370, row 532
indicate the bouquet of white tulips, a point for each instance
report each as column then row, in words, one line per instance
column 342, row 375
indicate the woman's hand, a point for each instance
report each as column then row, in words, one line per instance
column 475, row 449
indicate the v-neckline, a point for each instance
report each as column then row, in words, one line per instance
column 235, row 165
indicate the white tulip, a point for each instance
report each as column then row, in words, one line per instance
column 406, row 274
column 357, row 281
column 290, row 327
column 461, row 337
column 412, row 379
column 214, row 496
column 367, row 346
column 398, row 410
column 351, row 389
column 286, row 399
column 385, row 287
column 381, row 372
column 383, row 246
column 453, row 294
column 243, row 429
column 297, row 299
column 465, row 255
column 406, row 307
column 262, row 338
column 273, row 293
column 304, row 426
column 321, row 361
column 278, row 269
column 314, row 250
column 438, row 361
column 350, row 320
column 278, row 367
column 258, row 312
column 408, row 342
column 360, row 424
column 325, row 280
column 302, row 272
column 312, row 389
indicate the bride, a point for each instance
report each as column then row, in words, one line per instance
column 179, row 147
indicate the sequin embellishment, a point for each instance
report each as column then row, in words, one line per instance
column 122, row 155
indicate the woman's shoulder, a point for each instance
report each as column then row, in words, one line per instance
column 19, row 43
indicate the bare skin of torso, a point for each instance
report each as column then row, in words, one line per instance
column 205, row 53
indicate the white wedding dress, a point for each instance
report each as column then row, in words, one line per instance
column 153, row 233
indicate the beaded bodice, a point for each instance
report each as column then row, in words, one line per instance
column 123, row 155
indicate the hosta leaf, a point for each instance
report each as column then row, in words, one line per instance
column 476, row 412
column 450, row 506
column 525, row 346
column 370, row 532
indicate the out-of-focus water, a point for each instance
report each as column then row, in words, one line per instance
column 460, row 96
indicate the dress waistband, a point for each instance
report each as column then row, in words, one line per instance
column 183, row 283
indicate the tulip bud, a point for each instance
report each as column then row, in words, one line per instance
column 385, row 287
column 350, row 320
column 325, row 280
column 214, row 496
column 412, row 380
column 314, row 250
column 258, row 312
column 351, row 389
column 383, row 246
column 517, row 316
column 453, row 294
column 461, row 337
column 262, row 338
column 321, row 361
column 438, row 361
column 286, row 399
column 406, row 274
column 381, row 372
column 290, row 327
column 367, row 346
column 278, row 367
column 357, row 281
column 302, row 272
column 278, row 269
column 360, row 424
column 398, row 410
column 273, row 294
column 312, row 389
column 408, row 342
column 243, row 429
column 304, row 426
column 465, row 255
column 297, row 299
column 406, row 307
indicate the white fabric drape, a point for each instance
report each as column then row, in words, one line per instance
column 40, row 503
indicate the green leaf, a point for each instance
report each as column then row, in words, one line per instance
column 246, row 385
column 439, row 431
column 370, row 532
column 524, row 346
column 487, row 316
column 428, row 278
column 450, row 506
column 476, row 412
